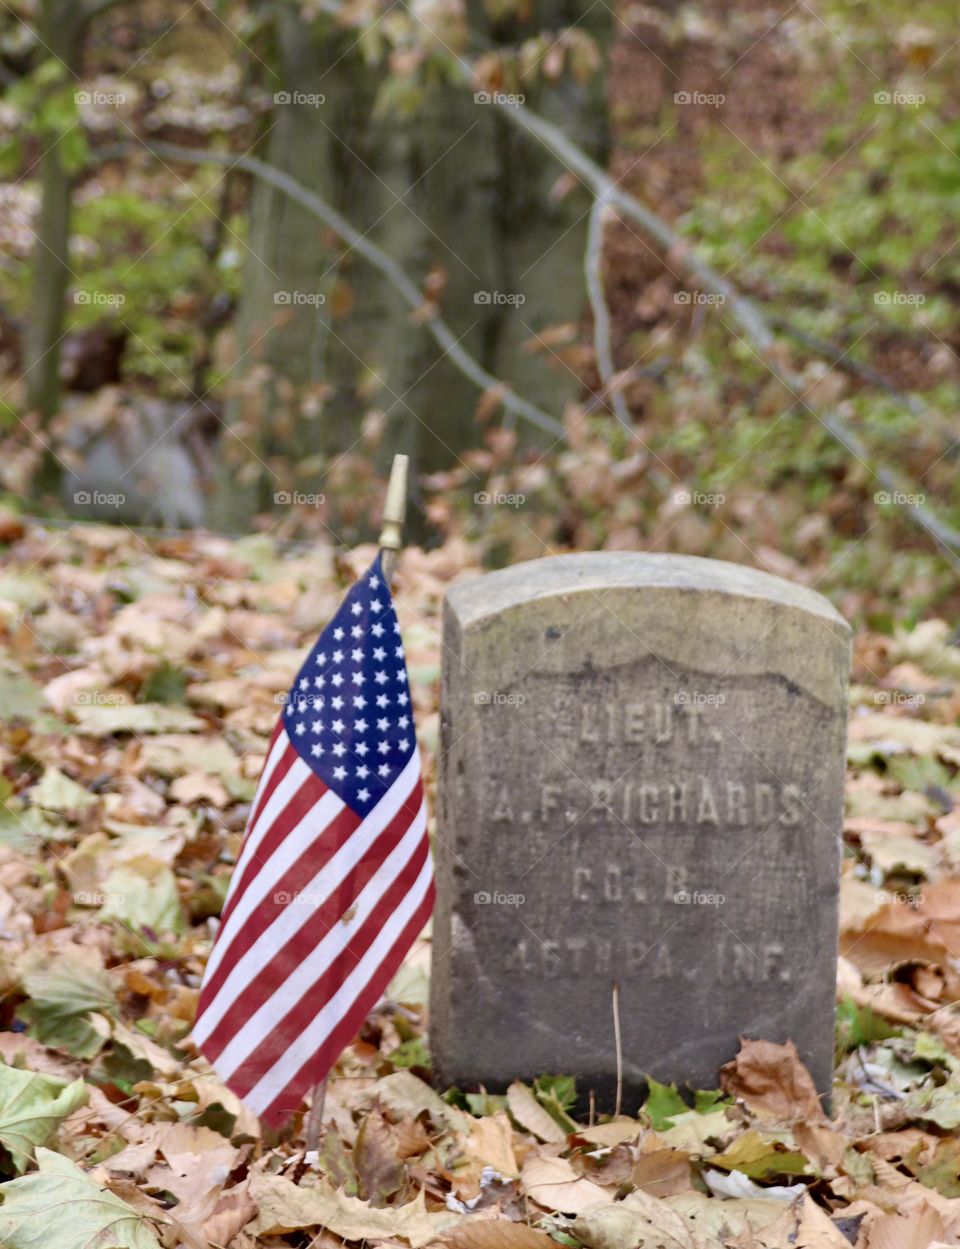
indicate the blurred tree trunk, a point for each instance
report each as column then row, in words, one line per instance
column 543, row 211
column 279, row 343
column 442, row 186
column 62, row 25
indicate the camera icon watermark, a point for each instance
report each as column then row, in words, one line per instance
column 898, row 897
column 696, row 698
column 698, row 498
column 511, row 100
column 513, row 299
column 293, row 299
column 905, row 99
column 889, row 299
column 98, row 698
column 306, row 99
column 485, row 897
column 710, row 99
column 709, row 299
column 100, row 99
column 697, row 897
column 98, row 498
column 899, row 498
column 899, row 698
column 298, row 498
column 295, row 701
column 99, row 299
column 495, row 698
column 499, row 498
column 298, row 897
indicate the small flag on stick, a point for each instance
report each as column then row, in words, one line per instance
column 334, row 880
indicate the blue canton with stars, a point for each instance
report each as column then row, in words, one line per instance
column 348, row 713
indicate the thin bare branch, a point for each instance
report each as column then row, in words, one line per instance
column 395, row 275
column 756, row 328
column 603, row 350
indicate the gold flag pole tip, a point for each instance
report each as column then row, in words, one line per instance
column 394, row 512
column 395, row 507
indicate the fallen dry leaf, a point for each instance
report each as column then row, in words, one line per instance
column 528, row 1112
column 283, row 1206
column 772, row 1081
column 900, row 1231
column 497, row 1234
column 639, row 1220
column 663, row 1173
column 554, row 1184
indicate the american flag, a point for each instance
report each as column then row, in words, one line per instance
column 334, row 879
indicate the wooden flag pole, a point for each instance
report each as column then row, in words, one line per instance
column 391, row 540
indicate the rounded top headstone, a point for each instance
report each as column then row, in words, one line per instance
column 604, row 570
column 640, row 784
column 609, row 607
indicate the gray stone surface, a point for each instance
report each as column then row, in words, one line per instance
column 642, row 762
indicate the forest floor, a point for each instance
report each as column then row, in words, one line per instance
column 139, row 682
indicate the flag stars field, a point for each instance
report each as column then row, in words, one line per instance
column 353, row 735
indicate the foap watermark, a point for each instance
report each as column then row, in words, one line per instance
column 899, row 498
column 93, row 897
column 903, row 99
column 699, row 498
column 898, row 698
column 713, row 99
column 100, row 299
column 290, row 299
column 99, row 698
column 299, row 702
column 98, row 498
column 698, row 897
column 297, row 498
column 709, row 299
column 511, row 99
column 495, row 698
column 100, row 99
column 897, row 897
column 498, row 498
column 306, row 99
column 513, row 298
column 487, row 897
column 890, row 299
column 697, row 698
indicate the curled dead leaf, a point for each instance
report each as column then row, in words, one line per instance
column 772, row 1081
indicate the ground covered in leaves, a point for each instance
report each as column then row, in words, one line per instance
column 139, row 682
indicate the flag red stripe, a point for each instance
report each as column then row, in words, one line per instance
column 329, row 1050
column 307, row 794
column 296, row 810
column 302, row 943
column 261, row 798
column 259, row 1061
column 263, row 792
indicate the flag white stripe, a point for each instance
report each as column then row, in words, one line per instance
column 277, row 751
column 292, row 918
column 273, row 758
column 286, row 790
column 274, row 1081
column 331, row 945
column 290, row 849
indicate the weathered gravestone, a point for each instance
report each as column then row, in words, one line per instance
column 642, row 766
